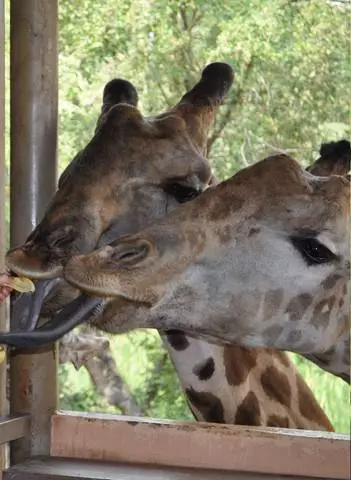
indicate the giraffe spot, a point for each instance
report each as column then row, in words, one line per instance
column 276, row 385
column 309, row 407
column 177, row 340
column 238, row 362
column 321, row 314
column 331, row 281
column 278, row 421
column 272, row 300
column 272, row 333
column 208, row 404
column 282, row 357
column 254, row 231
column 298, row 305
column 205, row 369
column 248, row 412
column 294, row 337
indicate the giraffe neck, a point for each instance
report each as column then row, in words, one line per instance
column 228, row 384
column 242, row 386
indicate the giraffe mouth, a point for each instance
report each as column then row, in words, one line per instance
column 84, row 308
column 26, row 307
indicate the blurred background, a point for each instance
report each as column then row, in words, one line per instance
column 291, row 93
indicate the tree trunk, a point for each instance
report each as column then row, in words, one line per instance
column 92, row 350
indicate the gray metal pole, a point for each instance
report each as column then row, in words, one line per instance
column 34, row 93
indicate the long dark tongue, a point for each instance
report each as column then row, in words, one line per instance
column 26, row 308
column 82, row 309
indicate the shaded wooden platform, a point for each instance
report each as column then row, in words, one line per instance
column 49, row 468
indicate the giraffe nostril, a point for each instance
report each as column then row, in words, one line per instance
column 60, row 238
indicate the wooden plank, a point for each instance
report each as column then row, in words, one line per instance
column 33, row 118
column 68, row 469
column 12, row 428
column 200, row 445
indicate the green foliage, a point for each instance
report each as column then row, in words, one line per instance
column 291, row 61
column 144, row 365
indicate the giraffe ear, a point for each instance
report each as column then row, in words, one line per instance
column 335, row 159
column 199, row 105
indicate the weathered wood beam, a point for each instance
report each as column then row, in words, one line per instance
column 67, row 469
column 12, row 428
column 133, row 440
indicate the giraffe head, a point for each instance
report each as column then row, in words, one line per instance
column 262, row 259
column 133, row 171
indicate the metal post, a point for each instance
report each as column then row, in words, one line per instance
column 33, row 32
column 3, row 316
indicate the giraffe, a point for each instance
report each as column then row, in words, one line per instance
column 253, row 261
column 222, row 384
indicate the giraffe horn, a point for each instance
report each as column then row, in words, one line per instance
column 199, row 105
column 335, row 159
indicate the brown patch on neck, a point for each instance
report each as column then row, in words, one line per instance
column 276, row 386
column 238, row 362
column 278, row 421
column 248, row 412
column 204, row 370
column 208, row 404
column 309, row 406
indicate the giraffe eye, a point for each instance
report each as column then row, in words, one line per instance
column 182, row 193
column 312, row 251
